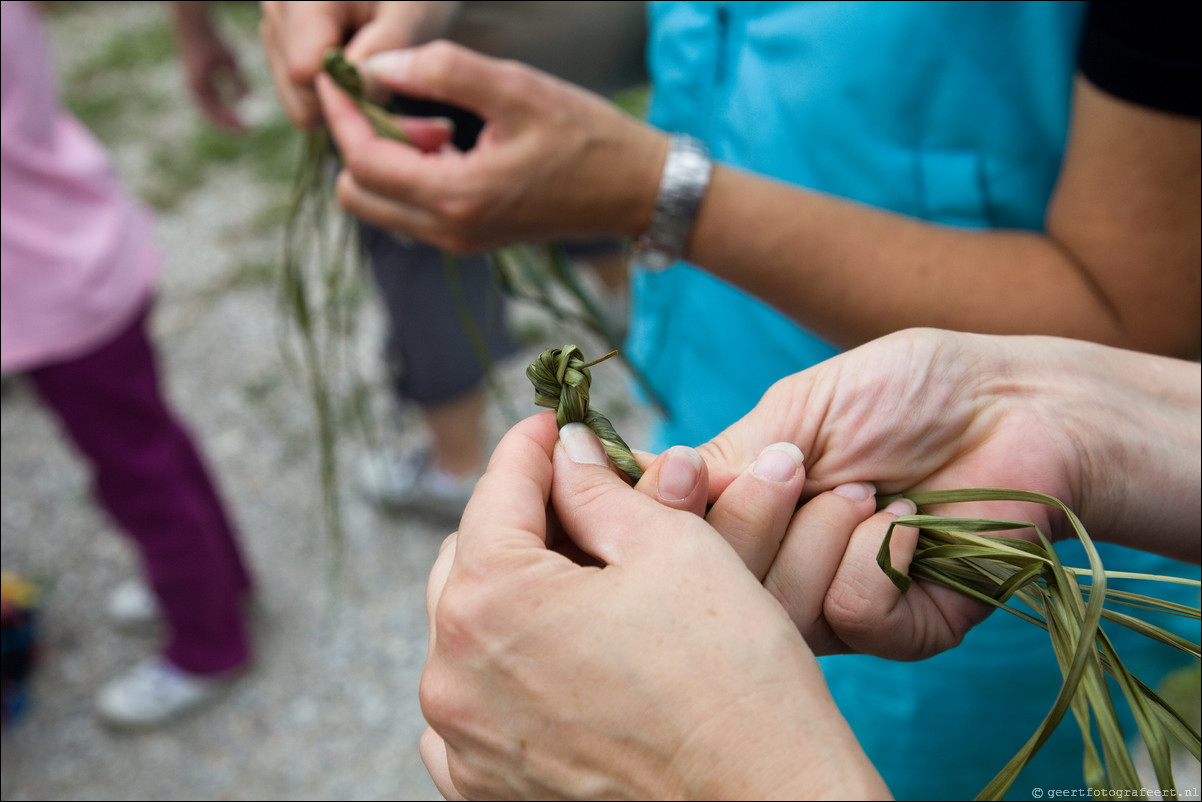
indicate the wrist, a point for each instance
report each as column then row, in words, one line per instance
column 683, row 182
column 1140, row 482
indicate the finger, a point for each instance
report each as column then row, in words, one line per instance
column 600, row 511
column 452, row 74
column 433, row 751
column 300, row 103
column 427, row 134
column 437, row 581
column 810, row 554
column 390, row 179
column 383, row 33
column 863, row 606
column 754, row 510
column 295, row 43
column 677, row 479
column 392, row 215
column 508, row 506
column 779, row 416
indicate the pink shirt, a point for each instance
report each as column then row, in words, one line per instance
column 77, row 255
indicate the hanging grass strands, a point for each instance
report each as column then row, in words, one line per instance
column 561, row 380
column 960, row 554
column 320, row 274
column 318, row 298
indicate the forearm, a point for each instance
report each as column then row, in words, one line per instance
column 193, row 22
column 1117, row 261
column 852, row 273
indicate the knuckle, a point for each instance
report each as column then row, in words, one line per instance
column 357, row 163
column 438, row 60
column 848, row 611
column 515, row 79
column 439, row 702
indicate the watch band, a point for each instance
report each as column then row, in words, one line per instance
column 683, row 184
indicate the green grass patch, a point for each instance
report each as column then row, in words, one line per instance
column 268, row 151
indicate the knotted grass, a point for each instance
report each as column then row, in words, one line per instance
column 962, row 555
column 562, row 382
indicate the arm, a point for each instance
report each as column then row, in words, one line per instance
column 1118, row 262
column 549, row 679
column 214, row 78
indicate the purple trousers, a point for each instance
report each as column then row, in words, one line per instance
column 151, row 479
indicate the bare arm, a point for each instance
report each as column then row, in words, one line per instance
column 1118, row 262
column 211, row 69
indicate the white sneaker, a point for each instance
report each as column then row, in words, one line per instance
column 153, row 692
column 415, row 484
column 132, row 606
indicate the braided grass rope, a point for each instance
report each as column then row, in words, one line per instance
column 561, row 380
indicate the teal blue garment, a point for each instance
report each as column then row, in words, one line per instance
column 954, row 113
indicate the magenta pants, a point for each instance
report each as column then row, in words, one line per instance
column 149, row 476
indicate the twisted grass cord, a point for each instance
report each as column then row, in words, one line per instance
column 561, row 380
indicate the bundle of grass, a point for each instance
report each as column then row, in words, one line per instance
column 319, row 299
column 962, row 555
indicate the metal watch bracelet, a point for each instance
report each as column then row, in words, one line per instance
column 682, row 185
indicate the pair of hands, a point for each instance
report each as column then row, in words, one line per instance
column 669, row 672
column 685, row 665
column 673, row 654
column 545, row 138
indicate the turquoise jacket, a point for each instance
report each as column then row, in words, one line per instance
column 955, row 113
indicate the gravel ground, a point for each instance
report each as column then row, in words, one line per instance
column 330, row 708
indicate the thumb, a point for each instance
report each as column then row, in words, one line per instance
column 597, row 508
column 444, row 72
column 375, row 37
column 396, row 25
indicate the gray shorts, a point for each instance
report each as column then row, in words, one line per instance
column 428, row 349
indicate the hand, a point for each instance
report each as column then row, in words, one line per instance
column 297, row 34
column 213, row 75
column 929, row 410
column 553, row 160
column 669, row 672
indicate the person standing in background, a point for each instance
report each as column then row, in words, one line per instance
column 79, row 265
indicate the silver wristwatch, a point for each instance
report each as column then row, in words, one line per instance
column 685, row 178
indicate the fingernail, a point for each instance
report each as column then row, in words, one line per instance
column 903, row 506
column 679, row 474
column 856, row 491
column 392, row 64
column 581, row 445
column 779, row 462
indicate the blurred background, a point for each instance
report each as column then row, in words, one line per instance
column 330, row 707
